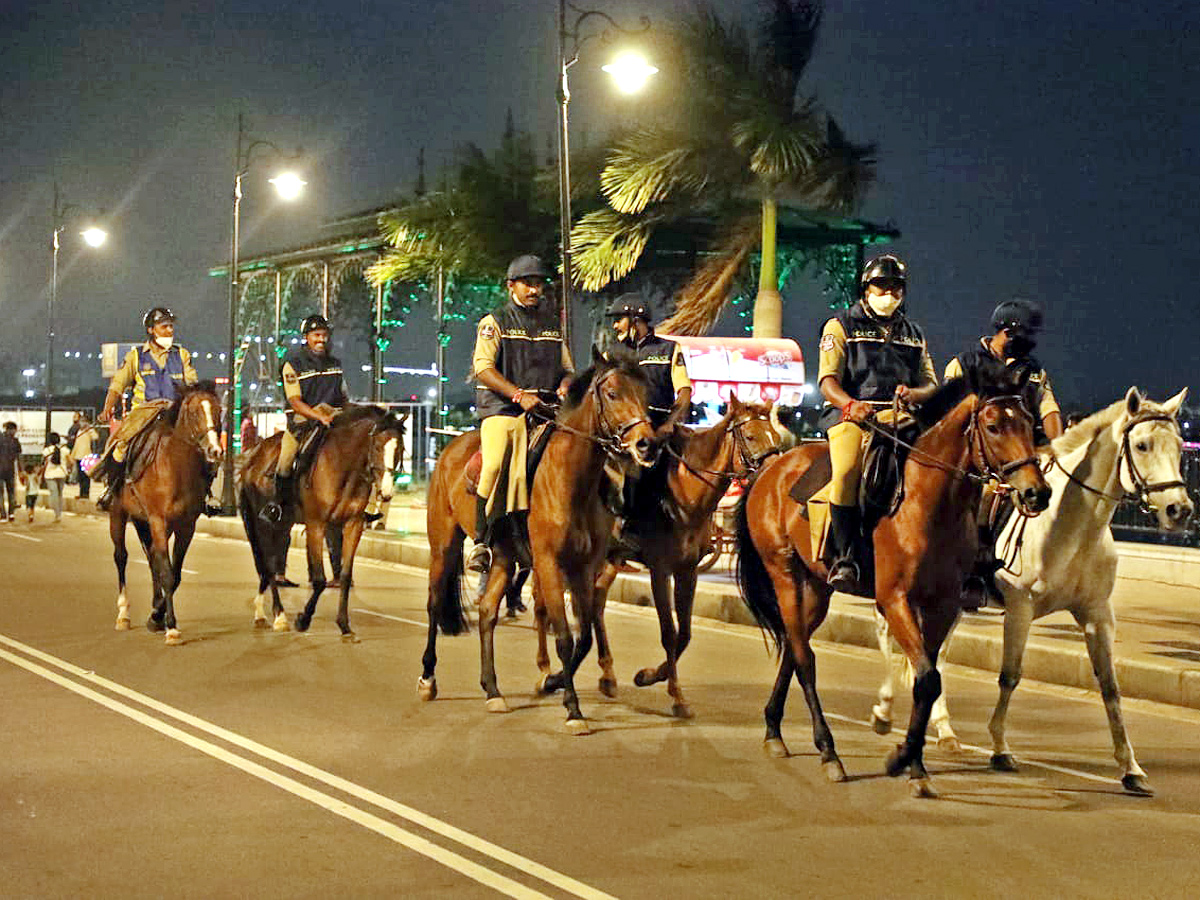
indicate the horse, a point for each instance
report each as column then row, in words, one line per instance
column 1066, row 558
column 981, row 427
column 673, row 535
column 604, row 416
column 164, row 496
column 358, row 453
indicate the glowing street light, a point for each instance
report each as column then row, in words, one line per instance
column 630, row 71
column 288, row 185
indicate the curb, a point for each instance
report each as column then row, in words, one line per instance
column 851, row 621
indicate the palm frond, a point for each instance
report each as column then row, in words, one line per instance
column 606, row 245
column 841, row 175
column 652, row 165
column 701, row 301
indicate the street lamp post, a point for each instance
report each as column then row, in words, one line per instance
column 288, row 186
column 93, row 237
column 571, row 39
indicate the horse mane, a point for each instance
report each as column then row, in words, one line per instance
column 357, row 413
column 578, row 388
column 1086, row 430
column 171, row 416
column 987, row 378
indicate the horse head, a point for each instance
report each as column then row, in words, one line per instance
column 1151, row 449
column 1002, row 435
column 752, row 426
column 616, row 391
column 387, row 451
column 197, row 417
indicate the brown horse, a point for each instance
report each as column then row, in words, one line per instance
column 165, row 498
column 605, row 416
column 673, row 534
column 922, row 551
column 358, row 453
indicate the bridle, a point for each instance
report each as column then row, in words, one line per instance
column 612, row 437
column 750, row 461
column 207, row 421
column 1142, row 489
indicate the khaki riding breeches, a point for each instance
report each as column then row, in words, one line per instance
column 135, row 420
column 289, row 444
column 503, row 438
column 847, row 446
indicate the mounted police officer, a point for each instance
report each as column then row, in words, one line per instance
column 520, row 364
column 870, row 354
column 315, row 388
column 155, row 370
column 1016, row 325
column 660, row 359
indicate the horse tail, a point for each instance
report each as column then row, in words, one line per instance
column 451, row 617
column 754, row 582
column 249, row 514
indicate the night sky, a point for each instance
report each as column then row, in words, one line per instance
column 1042, row 149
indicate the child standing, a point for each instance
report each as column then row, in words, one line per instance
column 32, row 480
column 54, row 472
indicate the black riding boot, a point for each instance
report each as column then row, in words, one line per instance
column 105, row 501
column 273, row 511
column 844, row 528
column 480, row 559
column 980, row 585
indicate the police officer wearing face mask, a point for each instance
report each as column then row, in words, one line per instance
column 155, row 370
column 869, row 355
column 670, row 396
column 1015, row 324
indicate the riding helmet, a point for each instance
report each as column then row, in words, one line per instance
column 157, row 316
column 528, row 267
column 630, row 305
column 312, row 323
column 1018, row 314
column 884, row 268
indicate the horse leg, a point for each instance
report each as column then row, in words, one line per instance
column 279, row 542
column 685, row 596
column 773, row 744
column 1018, row 616
column 582, row 589
column 116, row 530
column 445, row 573
column 184, row 532
column 881, row 712
column 155, row 621
column 939, row 718
column 351, row 534
column 1098, row 631
column 499, row 576
column 164, row 580
column 927, row 685
column 315, row 545
column 543, row 653
column 608, row 679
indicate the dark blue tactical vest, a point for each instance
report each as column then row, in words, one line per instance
column 160, row 382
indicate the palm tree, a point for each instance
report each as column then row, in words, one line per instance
column 739, row 139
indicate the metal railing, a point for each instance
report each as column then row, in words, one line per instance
column 1133, row 523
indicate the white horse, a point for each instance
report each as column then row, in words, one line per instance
column 1066, row 559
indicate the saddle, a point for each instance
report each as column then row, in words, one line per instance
column 538, row 439
column 309, row 437
column 143, row 449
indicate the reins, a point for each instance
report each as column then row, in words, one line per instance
column 1142, row 489
column 612, row 442
column 750, row 460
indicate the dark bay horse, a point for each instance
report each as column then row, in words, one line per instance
column 605, row 415
column 164, row 496
column 673, row 534
column 982, row 429
column 358, row 453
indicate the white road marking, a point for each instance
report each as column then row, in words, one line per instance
column 142, row 562
column 23, row 537
column 448, row 858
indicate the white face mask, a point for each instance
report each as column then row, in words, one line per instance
column 883, row 305
column 164, row 342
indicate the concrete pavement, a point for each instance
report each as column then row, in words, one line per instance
column 1157, row 602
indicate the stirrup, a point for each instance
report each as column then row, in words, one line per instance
column 105, row 501
column 844, row 577
column 480, row 559
column 370, row 517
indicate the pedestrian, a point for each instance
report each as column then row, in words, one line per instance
column 82, row 447
column 249, row 430
column 33, row 487
column 54, row 472
column 69, row 443
column 10, row 460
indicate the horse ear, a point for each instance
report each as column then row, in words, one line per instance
column 734, row 402
column 597, row 355
column 1133, row 401
column 1172, row 406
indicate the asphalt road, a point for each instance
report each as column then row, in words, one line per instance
column 250, row 763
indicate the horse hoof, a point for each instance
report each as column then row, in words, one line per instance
column 260, row 623
column 577, row 727
column 1004, row 762
column 173, row 638
column 922, row 789
column 1137, row 785
column 427, row 689
column 775, row 748
column 153, row 624
column 949, row 744
column 350, row 638
column 644, row 678
column 496, row 705
column 681, row 711
column 281, row 623
column 302, row 623
column 608, row 686
column 834, row 771
column 880, row 726
column 548, row 685
column 897, row 761
column 123, row 624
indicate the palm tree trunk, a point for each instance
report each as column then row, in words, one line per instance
column 768, row 305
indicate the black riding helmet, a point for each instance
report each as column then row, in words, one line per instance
column 1018, row 315
column 312, row 323
column 630, row 305
column 528, row 266
column 157, row 316
column 884, row 269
